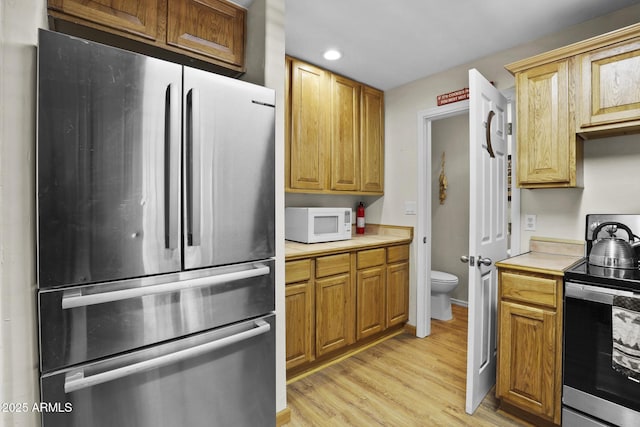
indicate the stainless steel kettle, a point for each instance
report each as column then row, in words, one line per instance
column 612, row 251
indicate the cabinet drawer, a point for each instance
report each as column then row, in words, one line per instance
column 333, row 264
column 397, row 253
column 370, row 258
column 531, row 289
column 297, row 271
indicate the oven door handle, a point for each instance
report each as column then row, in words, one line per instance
column 595, row 293
column 76, row 380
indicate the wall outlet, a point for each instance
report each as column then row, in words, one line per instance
column 530, row 223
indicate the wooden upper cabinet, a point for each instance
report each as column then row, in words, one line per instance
column 334, row 138
column 139, row 17
column 308, row 121
column 212, row 31
column 610, row 90
column 345, row 134
column 213, row 28
column 372, row 141
column 547, row 141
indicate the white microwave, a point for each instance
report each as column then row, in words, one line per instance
column 314, row 225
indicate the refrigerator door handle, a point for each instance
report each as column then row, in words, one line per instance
column 75, row 380
column 73, row 298
column 193, row 166
column 171, row 138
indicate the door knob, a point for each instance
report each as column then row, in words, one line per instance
column 484, row 261
column 467, row 259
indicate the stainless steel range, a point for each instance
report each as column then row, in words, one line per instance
column 601, row 373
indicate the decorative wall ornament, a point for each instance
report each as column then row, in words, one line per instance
column 443, row 181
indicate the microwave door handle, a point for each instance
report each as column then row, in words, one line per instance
column 171, row 184
column 75, row 380
column 194, row 168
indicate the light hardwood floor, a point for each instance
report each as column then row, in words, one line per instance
column 404, row 381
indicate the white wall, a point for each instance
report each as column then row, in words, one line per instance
column 450, row 221
column 19, row 21
column 403, row 103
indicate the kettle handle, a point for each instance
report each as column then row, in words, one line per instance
column 619, row 225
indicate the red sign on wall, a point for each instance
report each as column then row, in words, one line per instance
column 455, row 96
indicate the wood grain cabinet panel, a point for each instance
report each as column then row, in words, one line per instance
column 610, row 85
column 528, row 358
column 345, row 134
column 334, row 313
column 300, row 325
column 139, row 17
column 308, row 134
column 397, row 294
column 372, row 141
column 212, row 28
column 547, row 140
column 370, row 316
column 212, row 31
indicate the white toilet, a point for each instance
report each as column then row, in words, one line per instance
column 442, row 284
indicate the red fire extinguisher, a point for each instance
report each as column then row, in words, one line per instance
column 360, row 219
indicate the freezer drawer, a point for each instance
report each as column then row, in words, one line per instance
column 224, row 377
column 84, row 323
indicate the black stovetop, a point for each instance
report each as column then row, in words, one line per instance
column 625, row 279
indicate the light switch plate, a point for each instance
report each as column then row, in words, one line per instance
column 530, row 222
column 410, row 208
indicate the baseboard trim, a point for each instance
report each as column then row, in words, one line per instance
column 283, row 417
column 460, row 302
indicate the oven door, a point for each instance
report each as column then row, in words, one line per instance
column 590, row 384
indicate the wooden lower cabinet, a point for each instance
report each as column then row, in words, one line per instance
column 397, row 293
column 529, row 372
column 334, row 301
column 371, row 302
column 334, row 318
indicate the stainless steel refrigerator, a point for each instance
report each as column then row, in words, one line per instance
column 155, row 195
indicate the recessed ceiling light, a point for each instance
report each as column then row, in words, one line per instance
column 332, row 55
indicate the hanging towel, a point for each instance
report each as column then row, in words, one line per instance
column 625, row 328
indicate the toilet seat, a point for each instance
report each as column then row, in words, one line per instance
column 443, row 277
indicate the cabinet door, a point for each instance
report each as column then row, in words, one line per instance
column 345, row 134
column 334, row 313
column 527, row 371
column 546, row 126
column 372, row 141
column 139, row 17
column 397, row 293
column 610, row 85
column 299, row 309
column 309, row 127
column 370, row 317
column 214, row 28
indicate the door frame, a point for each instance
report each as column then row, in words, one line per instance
column 423, row 220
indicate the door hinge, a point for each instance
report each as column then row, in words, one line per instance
column 509, row 128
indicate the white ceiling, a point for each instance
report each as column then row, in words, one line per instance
column 387, row 43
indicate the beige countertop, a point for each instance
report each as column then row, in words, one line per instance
column 548, row 256
column 374, row 236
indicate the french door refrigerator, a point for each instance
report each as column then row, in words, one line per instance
column 155, row 195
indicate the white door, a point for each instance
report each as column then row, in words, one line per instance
column 487, row 230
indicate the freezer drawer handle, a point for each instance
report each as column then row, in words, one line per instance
column 76, row 380
column 72, row 300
